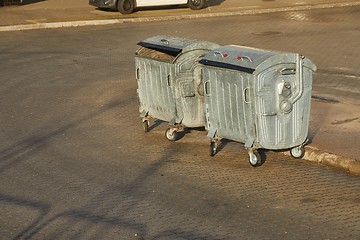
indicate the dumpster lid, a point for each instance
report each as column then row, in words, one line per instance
column 245, row 59
column 250, row 60
column 167, row 44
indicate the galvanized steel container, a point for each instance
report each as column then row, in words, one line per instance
column 257, row 97
column 170, row 86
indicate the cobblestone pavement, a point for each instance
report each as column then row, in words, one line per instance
column 75, row 163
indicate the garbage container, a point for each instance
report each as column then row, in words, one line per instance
column 257, row 97
column 170, row 86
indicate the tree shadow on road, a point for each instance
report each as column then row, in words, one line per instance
column 108, row 210
column 39, row 140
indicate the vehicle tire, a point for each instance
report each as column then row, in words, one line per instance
column 255, row 159
column 297, row 152
column 196, row 4
column 126, row 6
column 171, row 135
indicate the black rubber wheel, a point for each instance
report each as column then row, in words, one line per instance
column 146, row 126
column 171, row 135
column 297, row 152
column 212, row 149
column 126, row 6
column 196, row 4
column 255, row 159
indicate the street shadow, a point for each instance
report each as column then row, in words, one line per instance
column 97, row 213
column 41, row 208
column 186, row 131
column 262, row 152
column 223, row 142
column 39, row 140
column 181, row 134
column 155, row 124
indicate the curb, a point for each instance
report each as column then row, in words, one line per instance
column 349, row 165
column 169, row 18
column 315, row 155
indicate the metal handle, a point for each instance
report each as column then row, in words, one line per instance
column 207, row 93
column 168, row 80
column 137, row 73
column 218, row 53
column 299, row 80
column 165, row 41
column 288, row 71
column 268, row 114
column 245, row 95
column 246, row 57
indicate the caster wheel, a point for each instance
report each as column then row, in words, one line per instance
column 212, row 149
column 254, row 159
column 171, row 134
column 297, row 152
column 146, row 126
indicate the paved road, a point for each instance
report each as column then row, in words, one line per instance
column 72, row 10
column 75, row 163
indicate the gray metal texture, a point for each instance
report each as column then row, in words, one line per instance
column 168, row 73
column 261, row 98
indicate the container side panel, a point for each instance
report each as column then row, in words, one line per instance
column 225, row 104
column 155, row 95
column 277, row 129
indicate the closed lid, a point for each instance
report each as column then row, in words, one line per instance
column 239, row 58
column 171, row 45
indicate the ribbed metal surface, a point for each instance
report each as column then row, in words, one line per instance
column 268, row 107
column 227, row 113
column 155, row 96
column 276, row 130
column 169, row 79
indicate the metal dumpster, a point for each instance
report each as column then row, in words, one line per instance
column 170, row 86
column 257, row 97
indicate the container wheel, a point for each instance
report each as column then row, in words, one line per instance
column 297, row 152
column 212, row 149
column 255, row 159
column 171, row 134
column 196, row 4
column 146, row 125
column 125, row 6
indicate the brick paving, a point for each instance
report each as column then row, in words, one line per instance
column 76, row 164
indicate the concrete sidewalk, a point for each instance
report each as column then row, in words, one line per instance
column 334, row 135
column 334, row 127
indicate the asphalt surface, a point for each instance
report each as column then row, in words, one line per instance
column 76, row 164
column 64, row 13
column 334, row 128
